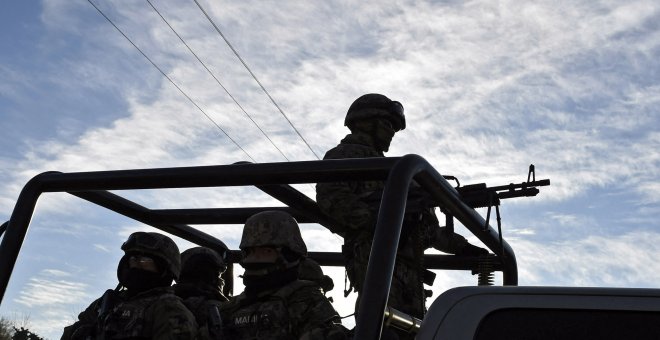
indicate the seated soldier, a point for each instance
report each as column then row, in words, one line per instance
column 310, row 270
column 200, row 287
column 143, row 306
column 275, row 303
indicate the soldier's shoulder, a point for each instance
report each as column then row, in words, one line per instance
column 165, row 301
column 233, row 303
column 351, row 151
column 201, row 307
column 307, row 302
column 178, row 316
column 195, row 303
column 352, row 146
column 301, row 291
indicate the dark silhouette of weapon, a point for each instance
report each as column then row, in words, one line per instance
column 481, row 196
column 215, row 323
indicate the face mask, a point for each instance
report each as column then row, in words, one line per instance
column 258, row 283
column 383, row 134
column 259, row 269
column 138, row 280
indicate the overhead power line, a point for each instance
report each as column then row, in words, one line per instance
column 171, row 81
column 217, row 80
column 254, row 77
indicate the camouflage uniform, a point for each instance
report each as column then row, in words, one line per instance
column 276, row 304
column 310, row 270
column 140, row 311
column 355, row 206
column 348, row 203
column 299, row 310
column 200, row 287
column 154, row 314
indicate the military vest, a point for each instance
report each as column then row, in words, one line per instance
column 207, row 315
column 132, row 318
column 346, row 202
column 266, row 318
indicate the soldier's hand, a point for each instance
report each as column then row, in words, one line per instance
column 418, row 200
column 81, row 333
column 472, row 250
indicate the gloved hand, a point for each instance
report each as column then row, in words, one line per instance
column 472, row 250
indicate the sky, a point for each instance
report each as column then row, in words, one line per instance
column 488, row 87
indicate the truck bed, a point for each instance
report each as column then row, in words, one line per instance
column 517, row 313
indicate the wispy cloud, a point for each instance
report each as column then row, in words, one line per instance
column 49, row 288
column 617, row 261
column 489, row 87
column 594, row 261
column 102, row 248
column 500, row 99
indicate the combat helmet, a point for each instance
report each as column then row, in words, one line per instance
column 193, row 257
column 157, row 245
column 374, row 105
column 310, row 270
column 273, row 228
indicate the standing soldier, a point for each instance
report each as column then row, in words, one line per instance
column 275, row 303
column 200, row 287
column 143, row 306
column 373, row 120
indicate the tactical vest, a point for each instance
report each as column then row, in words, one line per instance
column 266, row 318
column 352, row 146
column 133, row 318
column 206, row 312
column 339, row 199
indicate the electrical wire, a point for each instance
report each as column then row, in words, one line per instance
column 171, row 81
column 188, row 97
column 255, row 77
column 217, row 80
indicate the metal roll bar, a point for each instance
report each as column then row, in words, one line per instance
column 274, row 180
column 380, row 269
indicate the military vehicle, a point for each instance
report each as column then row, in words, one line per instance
column 479, row 312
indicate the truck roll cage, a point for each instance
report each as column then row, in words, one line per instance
column 274, row 179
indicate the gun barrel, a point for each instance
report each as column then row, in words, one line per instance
column 512, row 186
column 528, row 192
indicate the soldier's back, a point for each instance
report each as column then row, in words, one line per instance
column 353, row 146
column 207, row 315
column 286, row 313
column 155, row 314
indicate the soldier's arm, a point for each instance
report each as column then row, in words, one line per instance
column 314, row 317
column 340, row 201
column 86, row 324
column 171, row 320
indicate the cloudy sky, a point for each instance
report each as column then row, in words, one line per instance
column 489, row 87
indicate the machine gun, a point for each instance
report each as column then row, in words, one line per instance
column 481, row 196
